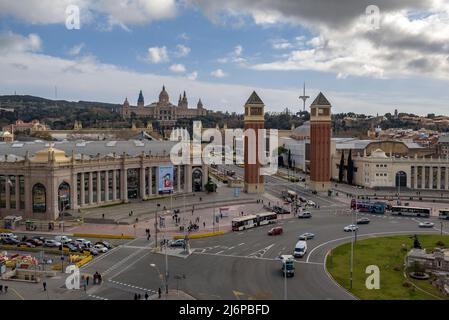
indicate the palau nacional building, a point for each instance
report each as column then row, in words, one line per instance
column 38, row 180
column 163, row 110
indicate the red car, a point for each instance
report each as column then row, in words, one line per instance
column 275, row 231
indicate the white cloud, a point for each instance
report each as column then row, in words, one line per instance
column 182, row 51
column 218, row 73
column 158, row 54
column 118, row 12
column 238, row 49
column 76, row 49
column 12, row 42
column 193, row 75
column 88, row 79
column 179, row 68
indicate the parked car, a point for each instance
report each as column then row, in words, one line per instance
column 25, row 244
column 85, row 243
column 177, row 243
column 11, row 241
column 275, row 231
column 311, row 203
column 105, row 244
column 63, row 239
column 36, row 242
column 41, row 239
column 350, row 228
column 363, row 221
column 100, row 248
column 93, row 251
column 52, row 243
column 8, row 235
column 307, row 236
column 426, row 224
column 71, row 247
column 304, row 215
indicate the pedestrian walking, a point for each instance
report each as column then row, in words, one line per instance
column 146, row 296
column 87, row 280
column 204, row 224
column 44, row 284
column 1, row 288
column 6, row 289
column 135, row 296
column 139, row 297
column 159, row 291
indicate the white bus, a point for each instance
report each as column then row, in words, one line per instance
column 251, row 221
column 443, row 214
column 266, row 218
column 411, row 211
column 243, row 223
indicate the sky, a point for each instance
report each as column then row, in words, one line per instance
column 364, row 59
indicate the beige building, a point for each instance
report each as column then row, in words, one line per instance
column 38, row 180
column 163, row 110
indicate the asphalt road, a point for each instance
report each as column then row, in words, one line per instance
column 243, row 265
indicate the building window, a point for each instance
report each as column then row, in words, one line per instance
column 110, row 180
column 22, row 192
column 86, row 187
column 94, row 186
column 39, row 198
column 78, row 188
column 103, row 185
column 12, row 192
column 2, row 191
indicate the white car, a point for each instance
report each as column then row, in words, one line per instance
column 63, row 239
column 311, row 203
column 52, row 243
column 426, row 224
column 350, row 228
column 100, row 248
column 8, row 235
column 85, row 243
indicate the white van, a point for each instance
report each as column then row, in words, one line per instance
column 63, row 239
column 8, row 235
column 300, row 249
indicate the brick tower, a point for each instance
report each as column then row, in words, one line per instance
column 320, row 143
column 254, row 119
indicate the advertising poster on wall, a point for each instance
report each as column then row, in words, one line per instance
column 165, row 178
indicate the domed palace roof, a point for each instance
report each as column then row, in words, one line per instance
column 301, row 132
column 163, row 96
column 46, row 155
column 378, row 153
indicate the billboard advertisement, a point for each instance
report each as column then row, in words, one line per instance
column 165, row 178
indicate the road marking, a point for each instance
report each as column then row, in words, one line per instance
column 130, row 265
column 241, row 244
column 132, row 286
column 17, row 293
column 253, row 258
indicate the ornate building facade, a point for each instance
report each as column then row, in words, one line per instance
column 163, row 110
column 38, row 181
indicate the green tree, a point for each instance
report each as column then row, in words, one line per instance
column 341, row 169
column 350, row 171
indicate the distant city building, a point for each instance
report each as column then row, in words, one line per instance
column 163, row 110
column 39, row 180
column 435, row 262
column 6, row 136
column 21, row 126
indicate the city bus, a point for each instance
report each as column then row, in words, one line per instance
column 443, row 214
column 251, row 221
column 266, row 218
column 411, row 211
column 368, row 206
column 243, row 223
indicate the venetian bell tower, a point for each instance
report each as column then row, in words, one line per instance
column 320, row 144
column 254, row 119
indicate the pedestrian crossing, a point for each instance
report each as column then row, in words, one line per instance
column 130, row 286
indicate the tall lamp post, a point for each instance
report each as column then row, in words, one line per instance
column 160, row 274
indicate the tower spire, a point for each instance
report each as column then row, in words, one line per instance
column 304, row 97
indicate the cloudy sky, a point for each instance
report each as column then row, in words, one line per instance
column 220, row 51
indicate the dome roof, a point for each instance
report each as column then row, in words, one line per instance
column 44, row 155
column 378, row 153
column 301, row 132
column 163, row 96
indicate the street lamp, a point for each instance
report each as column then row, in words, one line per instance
column 159, row 272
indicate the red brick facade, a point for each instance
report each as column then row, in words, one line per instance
column 320, row 139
